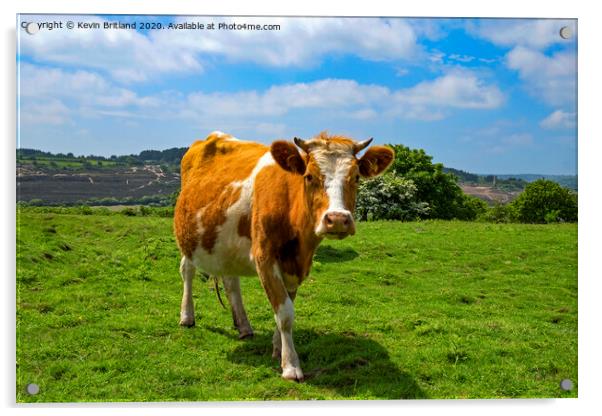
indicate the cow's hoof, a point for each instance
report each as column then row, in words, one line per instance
column 292, row 373
column 245, row 334
column 187, row 321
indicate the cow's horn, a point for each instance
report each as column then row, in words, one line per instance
column 301, row 143
column 358, row 147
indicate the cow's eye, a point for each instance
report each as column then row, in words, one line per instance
column 309, row 178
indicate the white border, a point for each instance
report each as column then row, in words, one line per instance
column 589, row 152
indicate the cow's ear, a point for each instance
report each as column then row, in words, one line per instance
column 375, row 161
column 288, row 157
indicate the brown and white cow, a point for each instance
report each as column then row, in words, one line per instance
column 246, row 209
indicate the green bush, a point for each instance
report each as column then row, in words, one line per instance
column 545, row 201
column 389, row 197
column 145, row 211
column 468, row 208
column 499, row 213
column 85, row 210
column 128, row 212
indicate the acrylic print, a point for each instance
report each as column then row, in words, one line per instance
column 295, row 208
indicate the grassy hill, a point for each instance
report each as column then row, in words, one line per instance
column 431, row 309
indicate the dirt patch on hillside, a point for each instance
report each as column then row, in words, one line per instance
column 489, row 194
column 61, row 186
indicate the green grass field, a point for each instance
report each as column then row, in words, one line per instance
column 399, row 311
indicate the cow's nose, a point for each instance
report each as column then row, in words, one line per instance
column 339, row 224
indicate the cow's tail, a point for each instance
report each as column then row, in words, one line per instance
column 215, row 279
column 219, row 296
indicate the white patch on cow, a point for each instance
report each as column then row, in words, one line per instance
column 187, row 271
column 285, row 317
column 218, row 133
column 231, row 254
column 227, row 137
column 334, row 166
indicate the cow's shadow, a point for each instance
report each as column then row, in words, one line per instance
column 352, row 365
column 329, row 254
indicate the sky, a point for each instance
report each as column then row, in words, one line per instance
column 496, row 96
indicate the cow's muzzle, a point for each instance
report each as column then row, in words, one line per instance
column 338, row 225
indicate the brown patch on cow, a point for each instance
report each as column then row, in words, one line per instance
column 244, row 226
column 316, row 198
column 214, row 215
column 273, row 286
column 207, row 168
column 282, row 230
column 352, row 182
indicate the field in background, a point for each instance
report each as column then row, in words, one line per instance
column 401, row 310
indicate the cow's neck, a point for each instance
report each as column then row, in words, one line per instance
column 304, row 230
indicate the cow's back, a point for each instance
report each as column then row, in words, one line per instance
column 212, row 214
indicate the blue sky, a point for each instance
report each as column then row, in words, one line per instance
column 482, row 95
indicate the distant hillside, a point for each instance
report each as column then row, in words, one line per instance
column 462, row 175
column 510, row 182
column 150, row 177
column 168, row 156
column 568, row 181
column 153, row 177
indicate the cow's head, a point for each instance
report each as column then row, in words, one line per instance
column 331, row 172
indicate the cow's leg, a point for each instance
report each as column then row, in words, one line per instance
column 187, row 270
column 276, row 344
column 239, row 316
column 277, row 337
column 284, row 313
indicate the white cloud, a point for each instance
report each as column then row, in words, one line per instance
column 281, row 99
column 559, row 120
column 87, row 88
column 461, row 58
column 50, row 112
column 130, row 56
column 126, row 55
column 533, row 33
column 458, row 89
column 425, row 101
column 436, row 57
column 87, row 94
column 302, row 41
column 364, row 114
column 549, row 78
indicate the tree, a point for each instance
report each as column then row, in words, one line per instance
column 433, row 186
column 388, row 197
column 545, row 201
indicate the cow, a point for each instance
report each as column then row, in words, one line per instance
column 248, row 209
